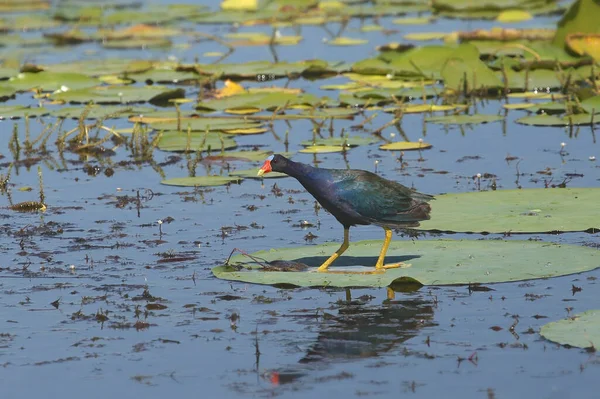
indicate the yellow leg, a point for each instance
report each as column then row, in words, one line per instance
column 386, row 245
column 337, row 253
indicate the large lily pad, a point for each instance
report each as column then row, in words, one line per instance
column 463, row 119
column 179, row 141
column 516, row 211
column 431, row 262
column 120, row 94
column 50, row 81
column 581, row 330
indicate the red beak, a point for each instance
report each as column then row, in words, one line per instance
column 266, row 168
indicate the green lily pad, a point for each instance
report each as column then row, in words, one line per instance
column 517, row 211
column 204, row 124
column 581, row 330
column 323, row 149
column 260, row 101
column 100, row 111
column 165, row 76
column 201, row 181
column 120, row 95
column 179, row 141
column 50, row 81
column 463, row 119
column 346, row 41
column 405, row 146
column 431, row 262
column 20, row 111
column 110, row 66
column 591, row 105
column 542, row 120
column 425, row 36
column 352, row 141
column 6, row 92
column 253, row 174
column 464, row 63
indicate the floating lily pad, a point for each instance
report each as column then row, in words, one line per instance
column 351, row 141
column 405, row 146
column 120, row 95
column 463, row 119
column 20, row 111
column 100, row 111
column 425, row 36
column 517, row 211
column 430, row 262
column 346, row 41
column 253, row 174
column 201, row 181
column 323, row 149
column 260, row 101
column 204, row 124
column 542, row 120
column 50, row 81
column 512, row 16
column 581, row 330
column 179, row 141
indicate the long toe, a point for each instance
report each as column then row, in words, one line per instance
column 393, row 266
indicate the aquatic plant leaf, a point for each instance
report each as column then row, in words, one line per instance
column 517, row 211
column 95, row 111
column 20, row 111
column 405, row 146
column 260, row 39
column 179, row 141
column 323, row 149
column 542, row 120
column 463, row 119
column 522, row 80
column 581, row 17
column 513, row 16
column 204, row 124
column 164, row 76
column 51, row 81
column 252, row 174
column 463, row 70
column 432, row 262
column 265, row 101
column 346, row 41
column 120, row 95
column 259, row 68
column 518, row 106
column 110, row 66
column 6, row 91
column 351, row 141
column 425, row 36
column 201, row 181
column 581, row 330
column 591, row 105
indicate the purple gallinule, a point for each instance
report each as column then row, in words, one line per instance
column 357, row 197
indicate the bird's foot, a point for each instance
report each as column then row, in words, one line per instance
column 392, row 266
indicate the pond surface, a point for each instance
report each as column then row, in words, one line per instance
column 97, row 298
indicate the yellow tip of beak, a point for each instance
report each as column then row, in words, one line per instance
column 260, row 172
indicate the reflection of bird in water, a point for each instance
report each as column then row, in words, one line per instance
column 357, row 197
column 361, row 331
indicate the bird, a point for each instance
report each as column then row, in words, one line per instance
column 357, row 197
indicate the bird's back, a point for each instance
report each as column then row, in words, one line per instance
column 361, row 197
